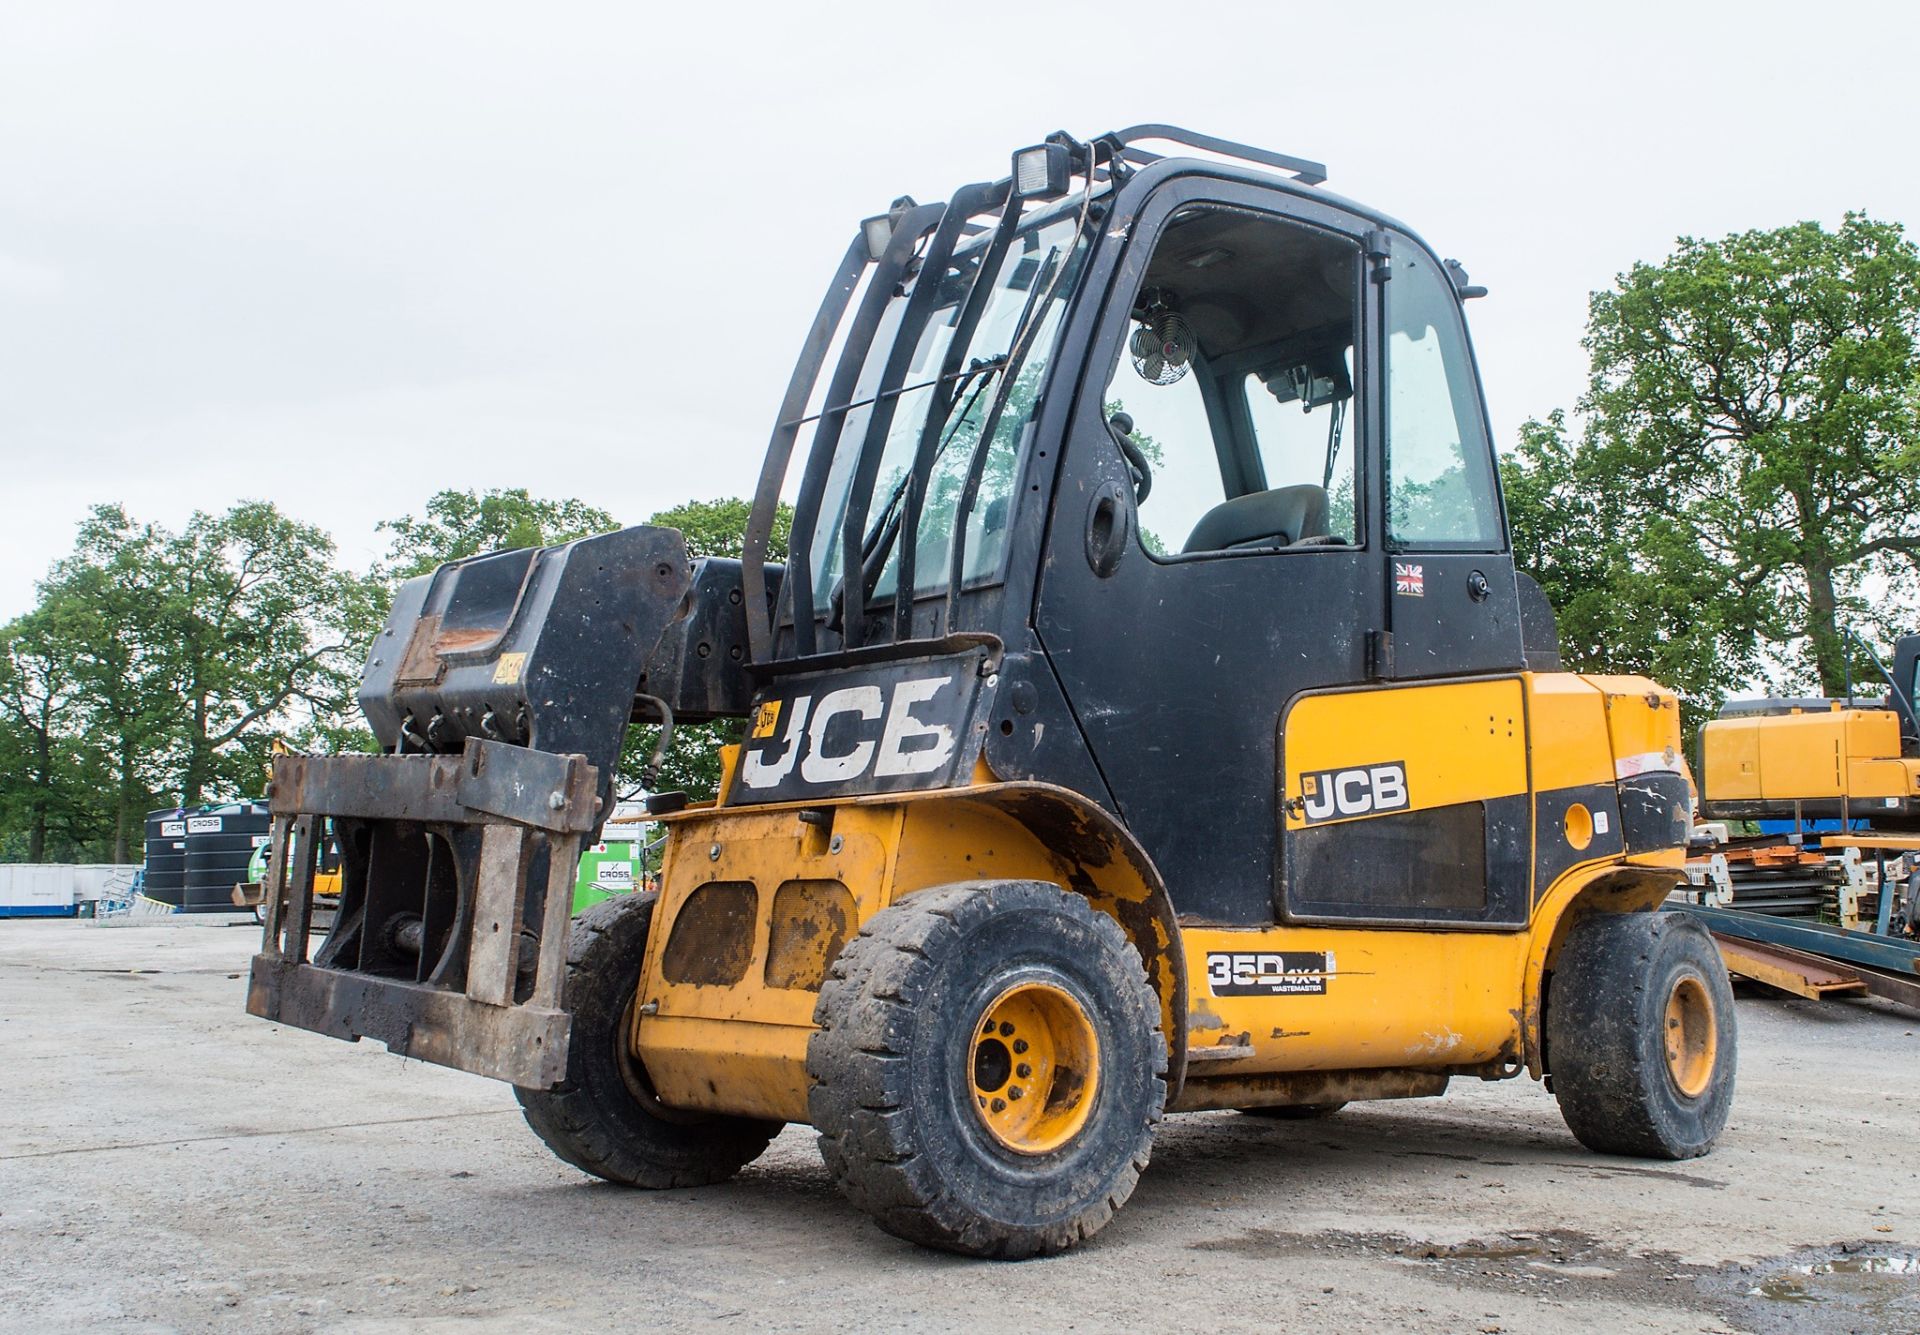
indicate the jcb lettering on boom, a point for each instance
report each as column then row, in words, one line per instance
column 903, row 725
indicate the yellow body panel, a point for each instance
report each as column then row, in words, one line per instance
column 879, row 849
column 1884, row 778
column 1818, row 755
column 1643, row 729
column 728, row 1031
column 1730, row 761
column 1460, row 741
column 757, row 1070
column 1643, row 723
column 1392, row 998
column 1565, row 714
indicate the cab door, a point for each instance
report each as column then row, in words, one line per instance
column 1453, row 606
column 1186, row 598
column 1411, row 802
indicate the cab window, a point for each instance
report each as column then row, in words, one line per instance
column 1300, row 425
column 1044, row 263
column 1231, row 397
column 1440, row 487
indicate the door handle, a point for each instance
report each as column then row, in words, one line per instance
column 1109, row 528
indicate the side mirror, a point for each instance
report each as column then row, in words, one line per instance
column 1462, row 288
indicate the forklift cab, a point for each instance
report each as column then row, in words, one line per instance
column 1192, row 455
column 1313, row 506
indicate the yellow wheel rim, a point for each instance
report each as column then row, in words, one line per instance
column 1691, row 1042
column 1033, row 1068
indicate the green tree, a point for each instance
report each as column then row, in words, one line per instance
column 719, row 528
column 37, row 716
column 192, row 649
column 108, row 599
column 1747, row 483
column 465, row 523
column 158, row 665
column 1632, row 593
column 261, row 625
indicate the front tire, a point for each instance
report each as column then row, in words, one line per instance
column 1641, row 1035
column 604, row 1118
column 989, row 1069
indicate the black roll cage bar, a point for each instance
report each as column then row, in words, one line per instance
column 925, row 235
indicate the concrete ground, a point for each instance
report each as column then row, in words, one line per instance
column 169, row 1163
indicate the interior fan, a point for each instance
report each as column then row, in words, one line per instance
column 1162, row 347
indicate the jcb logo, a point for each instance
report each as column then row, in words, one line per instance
column 1334, row 794
column 847, row 734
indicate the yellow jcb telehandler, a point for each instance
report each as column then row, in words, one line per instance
column 1148, row 718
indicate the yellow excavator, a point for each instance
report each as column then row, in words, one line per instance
column 1095, row 765
column 1832, row 787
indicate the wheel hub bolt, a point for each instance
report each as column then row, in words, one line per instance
column 1015, row 1092
column 1019, row 1045
column 1023, row 1070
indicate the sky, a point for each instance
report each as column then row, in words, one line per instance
column 342, row 256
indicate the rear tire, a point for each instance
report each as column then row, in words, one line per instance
column 989, row 1069
column 604, row 1118
column 1641, row 1035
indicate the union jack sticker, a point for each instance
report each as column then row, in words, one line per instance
column 1410, row 578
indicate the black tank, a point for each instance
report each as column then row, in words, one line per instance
column 166, row 855
column 220, row 843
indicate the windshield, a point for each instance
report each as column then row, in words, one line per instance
column 1032, row 283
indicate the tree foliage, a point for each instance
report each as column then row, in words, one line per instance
column 38, row 700
column 465, row 523
column 719, row 528
column 158, row 665
column 1747, row 482
column 262, row 629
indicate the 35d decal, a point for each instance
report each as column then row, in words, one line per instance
column 1268, row 973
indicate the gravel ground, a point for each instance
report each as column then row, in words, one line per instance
column 169, row 1163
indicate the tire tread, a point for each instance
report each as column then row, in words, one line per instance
column 1603, row 1045
column 871, row 1138
column 591, row 1121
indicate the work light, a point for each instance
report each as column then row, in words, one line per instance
column 1041, row 172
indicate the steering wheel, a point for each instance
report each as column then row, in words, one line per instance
column 1120, row 427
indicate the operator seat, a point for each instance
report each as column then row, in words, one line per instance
column 1275, row 518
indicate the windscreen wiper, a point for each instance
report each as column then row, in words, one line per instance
column 877, row 545
column 1336, row 418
